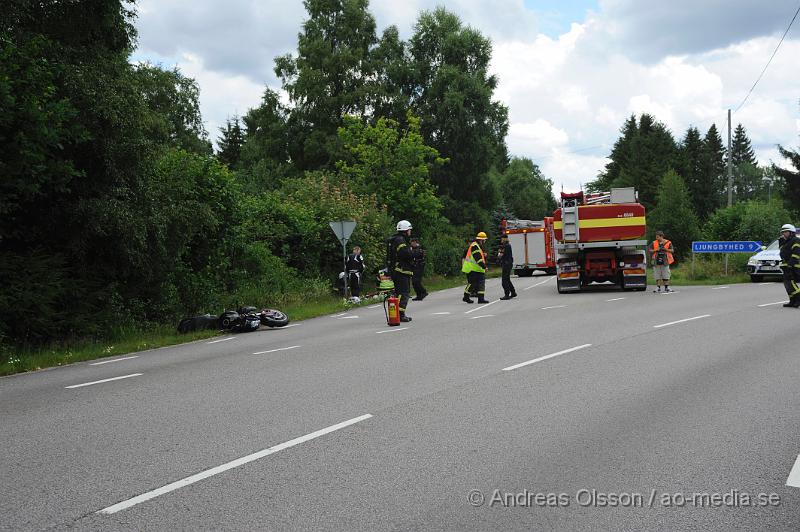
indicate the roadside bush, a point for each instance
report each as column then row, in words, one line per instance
column 751, row 220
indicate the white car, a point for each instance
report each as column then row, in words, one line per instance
column 765, row 263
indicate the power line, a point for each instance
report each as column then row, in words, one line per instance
column 770, row 60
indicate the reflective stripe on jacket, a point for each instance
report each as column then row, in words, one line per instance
column 475, row 260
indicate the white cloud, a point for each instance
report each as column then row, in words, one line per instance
column 684, row 62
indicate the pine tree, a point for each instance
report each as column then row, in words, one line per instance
column 791, row 178
column 642, row 155
column 741, row 148
column 620, row 154
column 674, row 214
column 710, row 189
column 690, row 166
column 230, row 142
column 329, row 78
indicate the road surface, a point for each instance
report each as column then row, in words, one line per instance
column 592, row 411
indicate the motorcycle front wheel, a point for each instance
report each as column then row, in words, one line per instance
column 273, row 318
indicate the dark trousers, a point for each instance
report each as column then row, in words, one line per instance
column 476, row 284
column 508, row 288
column 417, row 282
column 402, row 288
column 791, row 281
column 354, row 284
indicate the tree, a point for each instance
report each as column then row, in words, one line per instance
column 710, row 188
column 691, row 169
column 621, row 153
column 329, row 77
column 265, row 152
column 173, row 102
column 452, row 92
column 393, row 164
column 741, row 148
column 526, row 191
column 230, row 142
column 645, row 152
column 791, row 177
column 674, row 214
column 748, row 220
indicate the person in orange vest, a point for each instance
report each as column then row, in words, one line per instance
column 661, row 253
column 475, row 267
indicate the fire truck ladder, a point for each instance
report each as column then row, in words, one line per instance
column 569, row 217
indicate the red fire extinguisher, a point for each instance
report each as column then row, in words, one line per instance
column 392, row 310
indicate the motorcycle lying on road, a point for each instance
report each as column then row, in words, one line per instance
column 249, row 319
column 245, row 319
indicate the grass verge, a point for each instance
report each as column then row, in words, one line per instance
column 127, row 340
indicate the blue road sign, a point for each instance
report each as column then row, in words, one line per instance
column 726, row 247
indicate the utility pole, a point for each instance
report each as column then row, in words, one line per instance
column 730, row 163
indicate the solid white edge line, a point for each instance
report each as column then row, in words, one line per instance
column 439, row 313
column 484, row 316
column 287, row 326
column 279, row 349
column 776, row 303
column 222, row 340
column 391, row 330
column 115, row 360
column 535, row 360
column 794, row 475
column 681, row 321
column 615, row 299
column 720, row 287
column 348, row 318
column 225, row 467
column 104, row 380
column 375, row 306
column 537, row 284
column 555, row 306
column 482, row 306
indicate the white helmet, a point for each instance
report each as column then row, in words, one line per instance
column 788, row 227
column 403, row 225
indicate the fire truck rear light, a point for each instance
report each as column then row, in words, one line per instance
column 633, row 271
column 568, row 275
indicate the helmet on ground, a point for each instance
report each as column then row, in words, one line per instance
column 788, row 227
column 403, row 225
column 481, row 235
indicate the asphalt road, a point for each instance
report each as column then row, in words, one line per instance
column 592, row 411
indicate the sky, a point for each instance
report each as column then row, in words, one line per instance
column 569, row 71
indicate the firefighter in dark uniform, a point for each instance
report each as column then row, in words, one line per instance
column 355, row 271
column 418, row 261
column 398, row 258
column 506, row 257
column 475, row 268
column 790, row 263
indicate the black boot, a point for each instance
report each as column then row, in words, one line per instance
column 466, row 298
column 482, row 299
column 513, row 294
column 505, row 297
column 404, row 318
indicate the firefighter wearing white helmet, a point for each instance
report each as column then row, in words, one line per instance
column 790, row 263
column 475, row 267
column 399, row 264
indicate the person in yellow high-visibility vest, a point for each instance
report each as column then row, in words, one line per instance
column 475, row 268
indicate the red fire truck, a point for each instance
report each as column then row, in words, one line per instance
column 532, row 244
column 600, row 239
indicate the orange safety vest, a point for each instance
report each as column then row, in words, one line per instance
column 667, row 248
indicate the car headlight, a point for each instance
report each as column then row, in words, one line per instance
column 752, row 262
